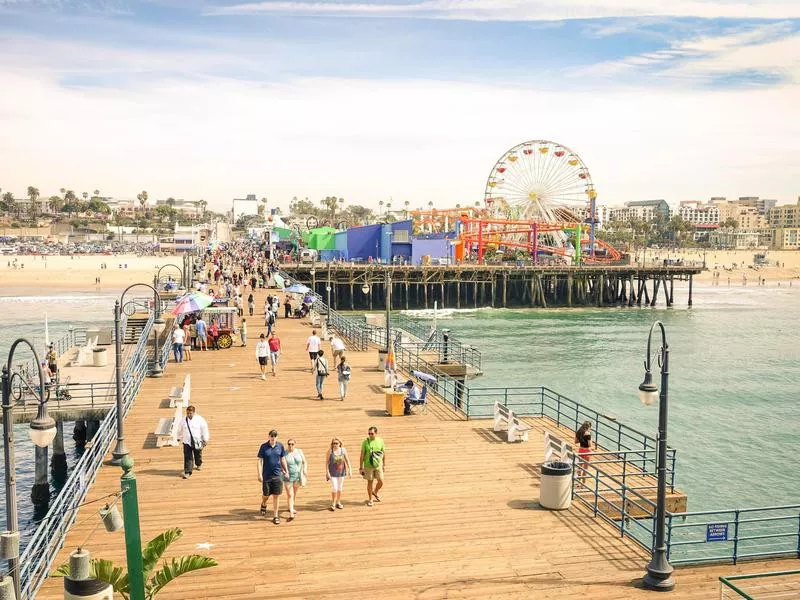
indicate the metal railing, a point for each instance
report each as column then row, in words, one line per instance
column 451, row 391
column 37, row 559
column 74, row 337
column 733, row 535
column 778, row 584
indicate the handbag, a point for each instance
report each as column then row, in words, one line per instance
column 196, row 444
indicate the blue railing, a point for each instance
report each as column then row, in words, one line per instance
column 37, row 559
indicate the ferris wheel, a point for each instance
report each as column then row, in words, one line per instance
column 541, row 181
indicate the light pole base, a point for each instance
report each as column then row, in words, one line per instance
column 156, row 372
column 659, row 581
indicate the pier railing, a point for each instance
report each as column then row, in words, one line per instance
column 778, row 584
column 37, row 559
column 733, row 535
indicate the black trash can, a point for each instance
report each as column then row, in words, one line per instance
column 556, row 487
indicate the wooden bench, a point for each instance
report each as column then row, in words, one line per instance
column 557, row 449
column 505, row 420
column 181, row 395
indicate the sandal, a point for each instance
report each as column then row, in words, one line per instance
column 369, row 502
column 377, row 498
column 331, row 508
column 277, row 520
column 339, row 505
column 263, row 510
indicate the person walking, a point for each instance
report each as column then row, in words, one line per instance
column 287, row 306
column 269, row 320
column 213, row 334
column 274, row 352
column 321, row 370
column 373, row 463
column 193, row 432
column 262, row 354
column 337, row 468
column 313, row 345
column 237, row 303
column 52, row 359
column 187, row 340
column 298, row 474
column 178, row 337
column 337, row 346
column 583, row 437
column 243, row 332
column 251, row 304
column 343, row 375
column 202, row 333
column 272, row 468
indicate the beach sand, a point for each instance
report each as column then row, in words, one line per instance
column 56, row 274
column 735, row 263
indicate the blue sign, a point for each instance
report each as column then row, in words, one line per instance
column 717, row 532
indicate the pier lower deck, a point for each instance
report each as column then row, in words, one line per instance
column 459, row 516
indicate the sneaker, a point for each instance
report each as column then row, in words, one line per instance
column 263, row 377
column 339, row 505
column 197, row 468
column 187, row 475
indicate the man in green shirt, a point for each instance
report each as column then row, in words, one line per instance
column 373, row 463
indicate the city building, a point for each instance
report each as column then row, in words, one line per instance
column 785, row 216
column 729, row 238
column 697, row 213
column 126, row 207
column 244, row 207
column 645, row 210
column 188, row 208
column 786, row 238
column 761, row 204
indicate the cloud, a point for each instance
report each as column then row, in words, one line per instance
column 522, row 10
column 770, row 51
column 215, row 138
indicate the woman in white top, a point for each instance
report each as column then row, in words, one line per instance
column 298, row 474
column 262, row 354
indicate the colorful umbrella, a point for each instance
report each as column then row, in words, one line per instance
column 424, row 376
column 191, row 302
column 297, row 288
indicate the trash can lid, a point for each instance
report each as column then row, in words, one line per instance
column 555, row 467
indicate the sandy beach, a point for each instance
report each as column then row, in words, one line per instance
column 56, row 274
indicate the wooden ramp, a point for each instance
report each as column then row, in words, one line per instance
column 459, row 517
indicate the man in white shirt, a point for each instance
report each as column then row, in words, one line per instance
column 262, row 354
column 337, row 345
column 313, row 344
column 193, row 433
column 178, row 339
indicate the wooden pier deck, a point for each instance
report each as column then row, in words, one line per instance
column 459, row 517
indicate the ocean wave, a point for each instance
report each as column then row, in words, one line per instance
column 54, row 298
column 444, row 313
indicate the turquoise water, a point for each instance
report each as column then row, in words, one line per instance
column 23, row 316
column 734, row 372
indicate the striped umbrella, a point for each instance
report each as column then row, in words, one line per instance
column 191, row 302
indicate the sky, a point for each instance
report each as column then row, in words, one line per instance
column 406, row 100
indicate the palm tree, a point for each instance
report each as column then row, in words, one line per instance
column 55, row 203
column 33, row 196
column 104, row 570
column 70, row 199
column 96, row 193
column 430, row 205
column 380, row 207
column 142, row 197
column 10, row 203
column 85, row 196
column 406, row 204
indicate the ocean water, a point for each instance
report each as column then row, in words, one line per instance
column 23, row 316
column 734, row 374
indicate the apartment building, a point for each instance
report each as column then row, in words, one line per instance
column 646, row 210
column 697, row 213
column 188, row 208
column 786, row 216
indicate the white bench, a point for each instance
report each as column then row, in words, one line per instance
column 557, row 449
column 505, row 420
column 181, row 395
column 167, row 429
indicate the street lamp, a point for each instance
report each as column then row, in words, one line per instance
column 42, row 432
column 158, row 274
column 659, row 571
column 120, row 450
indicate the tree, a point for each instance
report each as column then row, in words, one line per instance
column 55, row 203
column 357, row 214
column 117, row 577
column 9, row 204
column 85, row 196
column 730, row 223
column 171, row 202
column 430, row 204
column 406, row 205
column 96, row 193
column 70, row 202
column 142, row 197
column 33, row 196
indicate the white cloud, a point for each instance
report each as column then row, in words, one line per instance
column 417, row 140
column 772, row 50
column 526, row 10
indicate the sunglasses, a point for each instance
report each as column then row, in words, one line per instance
column 290, row 444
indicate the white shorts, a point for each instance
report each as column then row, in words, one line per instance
column 337, row 484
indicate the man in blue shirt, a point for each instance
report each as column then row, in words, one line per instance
column 202, row 334
column 271, row 469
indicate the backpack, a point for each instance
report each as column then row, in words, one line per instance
column 345, row 371
column 271, row 318
column 322, row 369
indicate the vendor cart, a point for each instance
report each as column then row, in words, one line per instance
column 226, row 321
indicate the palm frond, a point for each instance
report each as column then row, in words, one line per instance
column 175, row 568
column 104, row 570
column 156, row 547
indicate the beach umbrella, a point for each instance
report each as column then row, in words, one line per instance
column 191, row 302
column 297, row 288
column 424, row 376
column 309, row 299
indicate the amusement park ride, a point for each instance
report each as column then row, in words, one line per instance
column 540, row 199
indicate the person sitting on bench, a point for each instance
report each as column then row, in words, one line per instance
column 413, row 396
